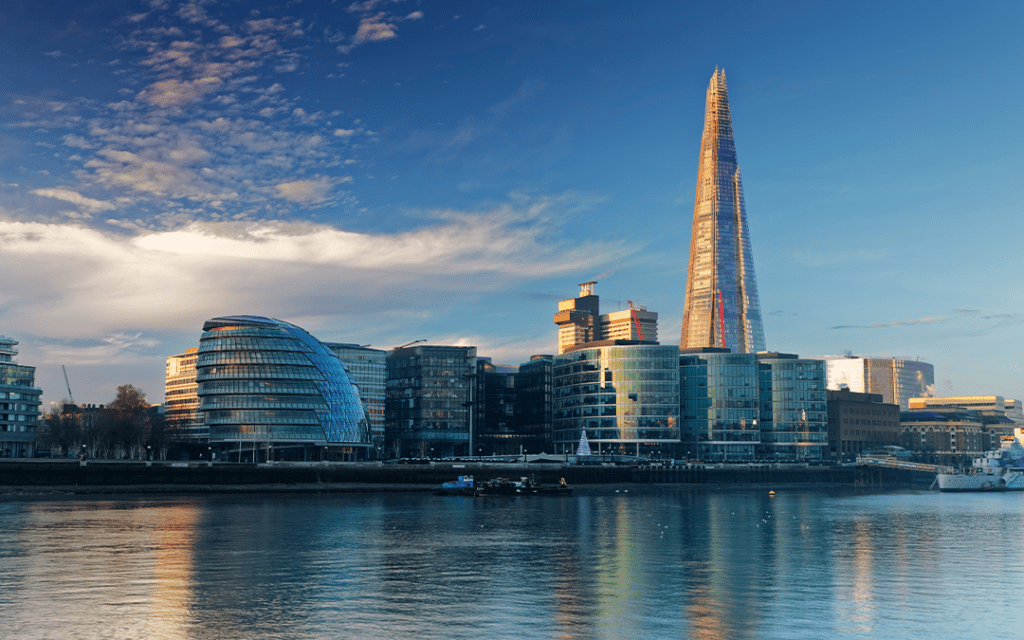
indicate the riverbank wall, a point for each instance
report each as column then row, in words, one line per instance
column 127, row 473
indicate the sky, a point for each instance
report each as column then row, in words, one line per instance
column 386, row 171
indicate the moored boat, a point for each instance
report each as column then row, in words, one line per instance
column 999, row 470
column 461, row 487
column 521, row 487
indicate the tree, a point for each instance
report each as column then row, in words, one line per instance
column 124, row 423
column 61, row 429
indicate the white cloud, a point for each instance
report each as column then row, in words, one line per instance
column 305, row 191
column 344, row 133
column 75, row 198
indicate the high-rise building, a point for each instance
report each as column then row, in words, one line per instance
column 580, row 322
column 19, row 404
column 533, row 404
column 721, row 307
column 718, row 398
column 181, row 402
column 896, row 380
column 495, row 405
column 577, row 318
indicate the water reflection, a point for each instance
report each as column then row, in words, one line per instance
column 653, row 563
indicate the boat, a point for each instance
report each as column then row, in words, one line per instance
column 998, row 470
column 521, row 487
column 461, row 487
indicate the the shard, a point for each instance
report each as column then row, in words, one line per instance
column 721, row 308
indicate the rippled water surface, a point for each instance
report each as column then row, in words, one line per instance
column 648, row 563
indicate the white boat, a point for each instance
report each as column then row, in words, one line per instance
column 999, row 470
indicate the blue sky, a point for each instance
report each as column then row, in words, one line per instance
column 379, row 172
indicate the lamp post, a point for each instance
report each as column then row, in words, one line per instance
column 149, row 454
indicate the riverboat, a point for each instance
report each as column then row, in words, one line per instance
column 521, row 487
column 999, row 470
column 461, row 487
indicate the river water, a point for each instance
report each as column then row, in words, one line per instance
column 650, row 562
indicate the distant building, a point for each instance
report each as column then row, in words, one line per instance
column 19, row 404
column 989, row 404
column 268, row 390
column 181, row 400
column 533, row 386
column 896, row 380
column 951, row 436
column 623, row 325
column 719, row 404
column 793, row 418
column 430, row 391
column 365, row 367
column 624, row 393
column 860, row 422
column 577, row 318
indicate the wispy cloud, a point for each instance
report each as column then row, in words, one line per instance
column 896, row 323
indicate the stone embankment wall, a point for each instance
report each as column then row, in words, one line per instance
column 127, row 473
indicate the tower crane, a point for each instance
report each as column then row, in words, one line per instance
column 409, row 344
column 70, row 396
column 636, row 320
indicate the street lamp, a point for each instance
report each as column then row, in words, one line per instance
column 149, row 455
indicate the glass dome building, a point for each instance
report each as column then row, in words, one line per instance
column 269, row 390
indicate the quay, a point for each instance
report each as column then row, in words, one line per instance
column 90, row 476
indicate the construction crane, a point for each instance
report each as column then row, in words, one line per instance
column 70, row 397
column 409, row 344
column 636, row 319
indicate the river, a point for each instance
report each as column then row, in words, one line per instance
column 626, row 562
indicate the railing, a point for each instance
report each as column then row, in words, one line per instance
column 893, row 463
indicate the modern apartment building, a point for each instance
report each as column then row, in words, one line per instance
column 181, row 400
column 19, row 404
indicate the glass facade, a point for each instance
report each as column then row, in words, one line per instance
column 430, row 392
column 365, row 367
column 896, row 380
column 721, row 307
column 181, row 402
column 266, row 381
column 794, row 418
column 625, row 396
column 719, row 404
column 19, row 404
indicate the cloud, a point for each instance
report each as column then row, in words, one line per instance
column 898, row 323
column 75, row 198
column 305, row 191
column 146, row 281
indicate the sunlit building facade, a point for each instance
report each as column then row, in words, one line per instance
column 625, row 394
column 896, row 380
column 719, row 404
column 269, row 390
column 793, row 418
column 577, row 318
column 19, row 404
column 181, row 400
column 721, row 308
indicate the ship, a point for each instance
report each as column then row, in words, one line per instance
column 522, row 487
column 998, row 470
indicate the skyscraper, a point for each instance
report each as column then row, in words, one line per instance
column 721, row 308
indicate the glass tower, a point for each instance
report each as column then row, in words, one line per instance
column 721, row 308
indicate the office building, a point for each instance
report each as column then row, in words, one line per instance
column 181, row 400
column 269, row 390
column 860, row 422
column 533, row 409
column 721, row 308
column 577, row 318
column 896, row 380
column 629, row 324
column 624, row 393
column 19, row 404
column 430, row 390
column 719, row 404
column 793, row 418
column 365, row 368
column 495, row 404
column 951, row 436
